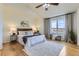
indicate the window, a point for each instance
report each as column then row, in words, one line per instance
column 57, row 26
column 53, row 24
column 61, row 23
column 57, row 22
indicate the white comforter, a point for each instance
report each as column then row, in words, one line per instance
column 20, row 39
column 46, row 48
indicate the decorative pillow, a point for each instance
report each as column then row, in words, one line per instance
column 27, row 33
column 21, row 32
column 36, row 40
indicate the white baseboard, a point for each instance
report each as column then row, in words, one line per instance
column 1, row 47
column 6, row 42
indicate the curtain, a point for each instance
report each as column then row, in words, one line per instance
column 46, row 27
column 68, row 25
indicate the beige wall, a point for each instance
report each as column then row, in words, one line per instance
column 76, row 24
column 13, row 14
column 78, row 27
column 1, row 26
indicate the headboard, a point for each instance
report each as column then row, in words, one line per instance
column 23, row 29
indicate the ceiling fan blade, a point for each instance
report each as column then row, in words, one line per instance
column 39, row 5
column 54, row 4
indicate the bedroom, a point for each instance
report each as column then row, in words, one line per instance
column 15, row 14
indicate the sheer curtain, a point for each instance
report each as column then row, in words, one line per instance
column 69, row 25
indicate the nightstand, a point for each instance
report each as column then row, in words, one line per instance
column 13, row 37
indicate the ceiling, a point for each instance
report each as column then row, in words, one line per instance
column 62, row 8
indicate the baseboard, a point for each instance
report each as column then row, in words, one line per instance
column 1, row 47
column 6, row 42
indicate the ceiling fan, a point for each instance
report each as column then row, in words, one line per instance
column 46, row 5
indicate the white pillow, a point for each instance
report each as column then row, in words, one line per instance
column 36, row 40
column 27, row 33
column 21, row 32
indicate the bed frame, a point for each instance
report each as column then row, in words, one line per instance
column 23, row 29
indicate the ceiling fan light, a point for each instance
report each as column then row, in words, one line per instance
column 46, row 9
column 46, row 5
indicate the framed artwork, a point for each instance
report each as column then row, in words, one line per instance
column 24, row 23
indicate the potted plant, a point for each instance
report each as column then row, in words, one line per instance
column 72, row 37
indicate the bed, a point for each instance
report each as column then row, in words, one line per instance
column 39, row 46
column 21, row 32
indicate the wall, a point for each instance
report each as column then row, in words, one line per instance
column 14, row 14
column 76, row 24
column 78, row 27
column 1, row 27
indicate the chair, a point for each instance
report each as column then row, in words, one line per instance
column 58, row 38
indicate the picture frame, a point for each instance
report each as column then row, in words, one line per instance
column 24, row 23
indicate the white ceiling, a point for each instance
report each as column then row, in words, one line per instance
column 62, row 8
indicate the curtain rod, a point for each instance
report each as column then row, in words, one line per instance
column 58, row 15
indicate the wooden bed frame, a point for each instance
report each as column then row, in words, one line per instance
column 23, row 29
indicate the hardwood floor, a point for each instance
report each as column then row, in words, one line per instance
column 12, row 49
column 15, row 49
column 69, row 49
